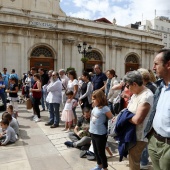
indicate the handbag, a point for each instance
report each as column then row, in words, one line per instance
column 28, row 104
column 118, row 105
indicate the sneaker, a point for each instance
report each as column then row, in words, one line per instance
column 144, row 167
column 38, row 120
column 68, row 144
column 35, row 117
column 97, row 168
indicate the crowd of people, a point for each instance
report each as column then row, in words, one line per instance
column 137, row 105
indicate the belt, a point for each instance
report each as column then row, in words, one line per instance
column 161, row 138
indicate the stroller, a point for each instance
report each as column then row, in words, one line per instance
column 25, row 90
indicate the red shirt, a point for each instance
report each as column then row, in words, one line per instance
column 36, row 94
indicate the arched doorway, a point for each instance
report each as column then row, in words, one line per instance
column 94, row 58
column 131, row 63
column 42, row 57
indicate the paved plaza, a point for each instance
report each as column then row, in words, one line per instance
column 42, row 148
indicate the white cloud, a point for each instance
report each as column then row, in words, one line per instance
column 125, row 11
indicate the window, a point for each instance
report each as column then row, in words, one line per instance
column 42, row 51
column 162, row 28
column 94, row 55
column 165, row 35
column 157, row 28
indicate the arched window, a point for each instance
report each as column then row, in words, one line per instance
column 94, row 55
column 132, row 59
column 42, row 52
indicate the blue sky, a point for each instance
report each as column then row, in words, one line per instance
column 124, row 11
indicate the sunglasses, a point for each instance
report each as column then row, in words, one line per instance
column 53, row 75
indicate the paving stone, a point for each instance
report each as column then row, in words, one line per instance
column 49, row 163
column 17, row 165
column 42, row 150
column 12, row 155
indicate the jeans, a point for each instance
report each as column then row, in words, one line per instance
column 54, row 113
column 99, row 145
column 159, row 153
column 2, row 95
column 144, row 157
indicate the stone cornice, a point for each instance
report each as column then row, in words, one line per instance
column 77, row 32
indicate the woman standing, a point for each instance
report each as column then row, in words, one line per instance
column 110, row 93
column 36, row 93
column 140, row 105
column 86, row 91
column 73, row 86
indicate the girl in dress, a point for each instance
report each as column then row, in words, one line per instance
column 67, row 114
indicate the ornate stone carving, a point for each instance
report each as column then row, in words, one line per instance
column 68, row 41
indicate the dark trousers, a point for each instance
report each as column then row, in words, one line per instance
column 36, row 102
column 99, row 145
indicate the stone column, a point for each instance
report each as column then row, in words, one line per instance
column 68, row 59
column 118, row 61
column 113, row 58
column 108, row 58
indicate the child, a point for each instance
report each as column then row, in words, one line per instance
column 12, row 122
column 9, row 137
column 98, row 127
column 67, row 114
column 13, row 93
column 78, row 139
column 11, row 111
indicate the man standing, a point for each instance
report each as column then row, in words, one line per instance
column 99, row 80
column 44, row 80
column 64, row 80
column 54, row 99
column 159, row 138
column 5, row 77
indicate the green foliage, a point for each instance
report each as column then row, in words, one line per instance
column 70, row 68
column 84, row 59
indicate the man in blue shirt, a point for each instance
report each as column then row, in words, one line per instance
column 5, row 77
column 159, row 141
column 99, row 80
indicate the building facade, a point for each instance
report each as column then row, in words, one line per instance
column 37, row 33
column 159, row 24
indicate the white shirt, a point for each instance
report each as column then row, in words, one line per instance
column 71, row 85
column 54, row 90
column 64, row 80
column 146, row 96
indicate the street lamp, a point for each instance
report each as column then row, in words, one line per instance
column 84, row 52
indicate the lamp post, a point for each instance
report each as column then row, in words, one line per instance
column 84, row 52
